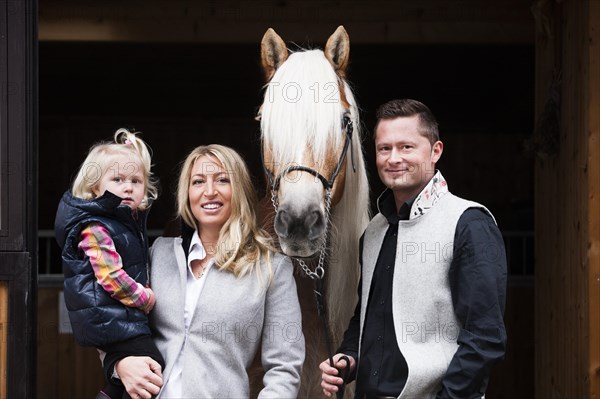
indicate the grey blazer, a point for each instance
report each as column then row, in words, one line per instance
column 233, row 319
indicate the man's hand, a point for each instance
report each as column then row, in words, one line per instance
column 329, row 376
column 141, row 375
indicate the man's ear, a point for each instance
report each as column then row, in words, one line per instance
column 436, row 151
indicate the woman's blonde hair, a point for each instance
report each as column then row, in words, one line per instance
column 102, row 156
column 242, row 243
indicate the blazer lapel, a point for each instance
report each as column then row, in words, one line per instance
column 181, row 263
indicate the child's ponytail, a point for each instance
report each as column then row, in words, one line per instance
column 125, row 137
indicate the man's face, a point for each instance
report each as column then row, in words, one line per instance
column 405, row 158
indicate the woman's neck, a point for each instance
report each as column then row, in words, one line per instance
column 209, row 239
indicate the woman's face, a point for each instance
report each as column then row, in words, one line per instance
column 210, row 193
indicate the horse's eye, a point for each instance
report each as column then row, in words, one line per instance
column 346, row 118
column 258, row 114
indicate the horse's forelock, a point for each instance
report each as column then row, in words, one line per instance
column 302, row 108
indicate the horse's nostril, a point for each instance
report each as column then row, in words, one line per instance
column 315, row 224
column 310, row 225
column 282, row 223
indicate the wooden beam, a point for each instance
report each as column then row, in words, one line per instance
column 594, row 197
column 377, row 21
column 567, row 282
column 561, row 207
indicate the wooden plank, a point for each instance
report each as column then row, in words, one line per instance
column 47, row 344
column 18, row 176
column 572, row 322
column 65, row 369
column 3, row 336
column 562, row 212
column 546, row 232
column 594, row 198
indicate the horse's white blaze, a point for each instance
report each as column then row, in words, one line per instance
column 301, row 194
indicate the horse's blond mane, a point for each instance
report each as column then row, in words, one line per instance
column 311, row 121
column 349, row 219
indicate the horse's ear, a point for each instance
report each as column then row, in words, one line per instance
column 273, row 53
column 337, row 50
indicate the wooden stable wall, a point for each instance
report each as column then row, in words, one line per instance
column 68, row 371
column 64, row 369
column 567, row 206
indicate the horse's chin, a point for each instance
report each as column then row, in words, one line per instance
column 303, row 249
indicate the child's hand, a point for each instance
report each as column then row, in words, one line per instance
column 151, row 302
column 141, row 376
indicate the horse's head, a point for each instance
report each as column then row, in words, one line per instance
column 307, row 120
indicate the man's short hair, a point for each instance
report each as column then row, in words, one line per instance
column 406, row 107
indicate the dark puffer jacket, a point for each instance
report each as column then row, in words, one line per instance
column 96, row 318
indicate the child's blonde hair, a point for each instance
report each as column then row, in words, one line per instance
column 101, row 157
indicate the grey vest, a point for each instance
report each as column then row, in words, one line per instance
column 424, row 320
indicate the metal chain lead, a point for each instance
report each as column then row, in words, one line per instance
column 274, row 199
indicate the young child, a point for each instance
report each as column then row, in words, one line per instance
column 101, row 227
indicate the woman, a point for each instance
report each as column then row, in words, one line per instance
column 221, row 294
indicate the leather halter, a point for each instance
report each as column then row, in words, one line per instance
column 274, row 183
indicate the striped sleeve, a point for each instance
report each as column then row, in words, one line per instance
column 99, row 247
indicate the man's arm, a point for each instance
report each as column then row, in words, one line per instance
column 478, row 285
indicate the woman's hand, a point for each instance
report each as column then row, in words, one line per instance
column 329, row 377
column 141, row 375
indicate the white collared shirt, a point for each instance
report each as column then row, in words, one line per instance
column 174, row 386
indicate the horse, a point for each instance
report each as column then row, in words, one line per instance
column 313, row 160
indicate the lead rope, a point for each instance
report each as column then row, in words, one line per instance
column 317, row 276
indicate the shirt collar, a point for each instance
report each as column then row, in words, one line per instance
column 197, row 251
column 433, row 191
column 387, row 206
column 419, row 205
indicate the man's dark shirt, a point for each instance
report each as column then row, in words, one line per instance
column 478, row 283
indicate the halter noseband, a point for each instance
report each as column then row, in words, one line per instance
column 328, row 184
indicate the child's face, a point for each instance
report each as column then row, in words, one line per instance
column 124, row 178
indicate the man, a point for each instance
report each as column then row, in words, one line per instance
column 429, row 319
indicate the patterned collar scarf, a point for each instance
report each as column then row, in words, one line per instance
column 433, row 191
